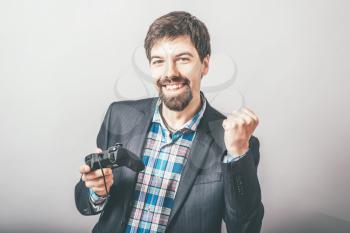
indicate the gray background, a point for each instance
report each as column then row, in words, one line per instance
column 59, row 62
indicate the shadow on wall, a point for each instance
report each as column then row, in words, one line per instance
column 316, row 223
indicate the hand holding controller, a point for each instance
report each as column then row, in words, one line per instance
column 94, row 179
column 97, row 170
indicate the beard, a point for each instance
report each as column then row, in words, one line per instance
column 175, row 102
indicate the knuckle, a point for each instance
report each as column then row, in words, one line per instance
column 82, row 169
column 108, row 171
column 100, row 182
column 98, row 150
column 87, row 177
column 240, row 121
column 232, row 123
column 94, row 175
column 230, row 117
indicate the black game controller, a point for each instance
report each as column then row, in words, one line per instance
column 113, row 157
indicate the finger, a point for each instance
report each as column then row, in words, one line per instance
column 98, row 174
column 84, row 169
column 89, row 184
column 254, row 121
column 94, row 183
column 233, row 114
column 249, row 113
column 236, row 118
column 249, row 110
column 99, row 182
column 250, row 123
column 232, row 124
column 93, row 177
column 247, row 118
column 232, row 117
column 98, row 150
column 109, row 182
column 252, row 114
column 106, row 172
column 224, row 124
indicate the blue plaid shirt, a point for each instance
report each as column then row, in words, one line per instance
column 164, row 155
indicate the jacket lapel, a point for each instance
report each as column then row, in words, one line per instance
column 135, row 144
column 196, row 159
column 139, row 133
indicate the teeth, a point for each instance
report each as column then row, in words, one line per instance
column 173, row 86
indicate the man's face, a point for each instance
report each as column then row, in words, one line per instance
column 177, row 71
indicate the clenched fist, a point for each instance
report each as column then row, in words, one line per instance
column 239, row 126
column 94, row 179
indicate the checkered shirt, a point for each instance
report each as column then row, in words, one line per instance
column 164, row 156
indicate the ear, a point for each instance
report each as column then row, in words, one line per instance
column 205, row 63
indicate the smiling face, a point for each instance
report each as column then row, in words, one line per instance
column 177, row 70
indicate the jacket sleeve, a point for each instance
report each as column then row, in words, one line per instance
column 82, row 199
column 82, row 193
column 244, row 210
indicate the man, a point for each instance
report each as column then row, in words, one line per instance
column 200, row 167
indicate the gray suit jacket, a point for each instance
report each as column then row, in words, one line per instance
column 209, row 190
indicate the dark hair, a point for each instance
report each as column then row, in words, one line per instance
column 179, row 23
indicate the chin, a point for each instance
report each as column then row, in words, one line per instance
column 176, row 101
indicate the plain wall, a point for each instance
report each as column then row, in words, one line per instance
column 63, row 62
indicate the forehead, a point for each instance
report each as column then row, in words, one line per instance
column 170, row 46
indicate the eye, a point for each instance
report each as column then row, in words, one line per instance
column 158, row 61
column 183, row 59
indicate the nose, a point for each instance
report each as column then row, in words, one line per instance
column 171, row 69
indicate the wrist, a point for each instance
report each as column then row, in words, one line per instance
column 239, row 151
column 97, row 195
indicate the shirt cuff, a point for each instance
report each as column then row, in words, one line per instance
column 96, row 201
column 231, row 157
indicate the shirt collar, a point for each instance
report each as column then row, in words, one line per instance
column 190, row 124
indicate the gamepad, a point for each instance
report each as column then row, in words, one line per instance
column 113, row 157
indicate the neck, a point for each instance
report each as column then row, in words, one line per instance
column 176, row 119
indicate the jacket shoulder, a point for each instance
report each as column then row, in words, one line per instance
column 139, row 104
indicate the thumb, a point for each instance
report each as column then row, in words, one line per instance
column 224, row 124
column 98, row 150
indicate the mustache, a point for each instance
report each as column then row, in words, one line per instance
column 174, row 79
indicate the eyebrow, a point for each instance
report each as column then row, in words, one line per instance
column 155, row 57
column 178, row 55
column 184, row 53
